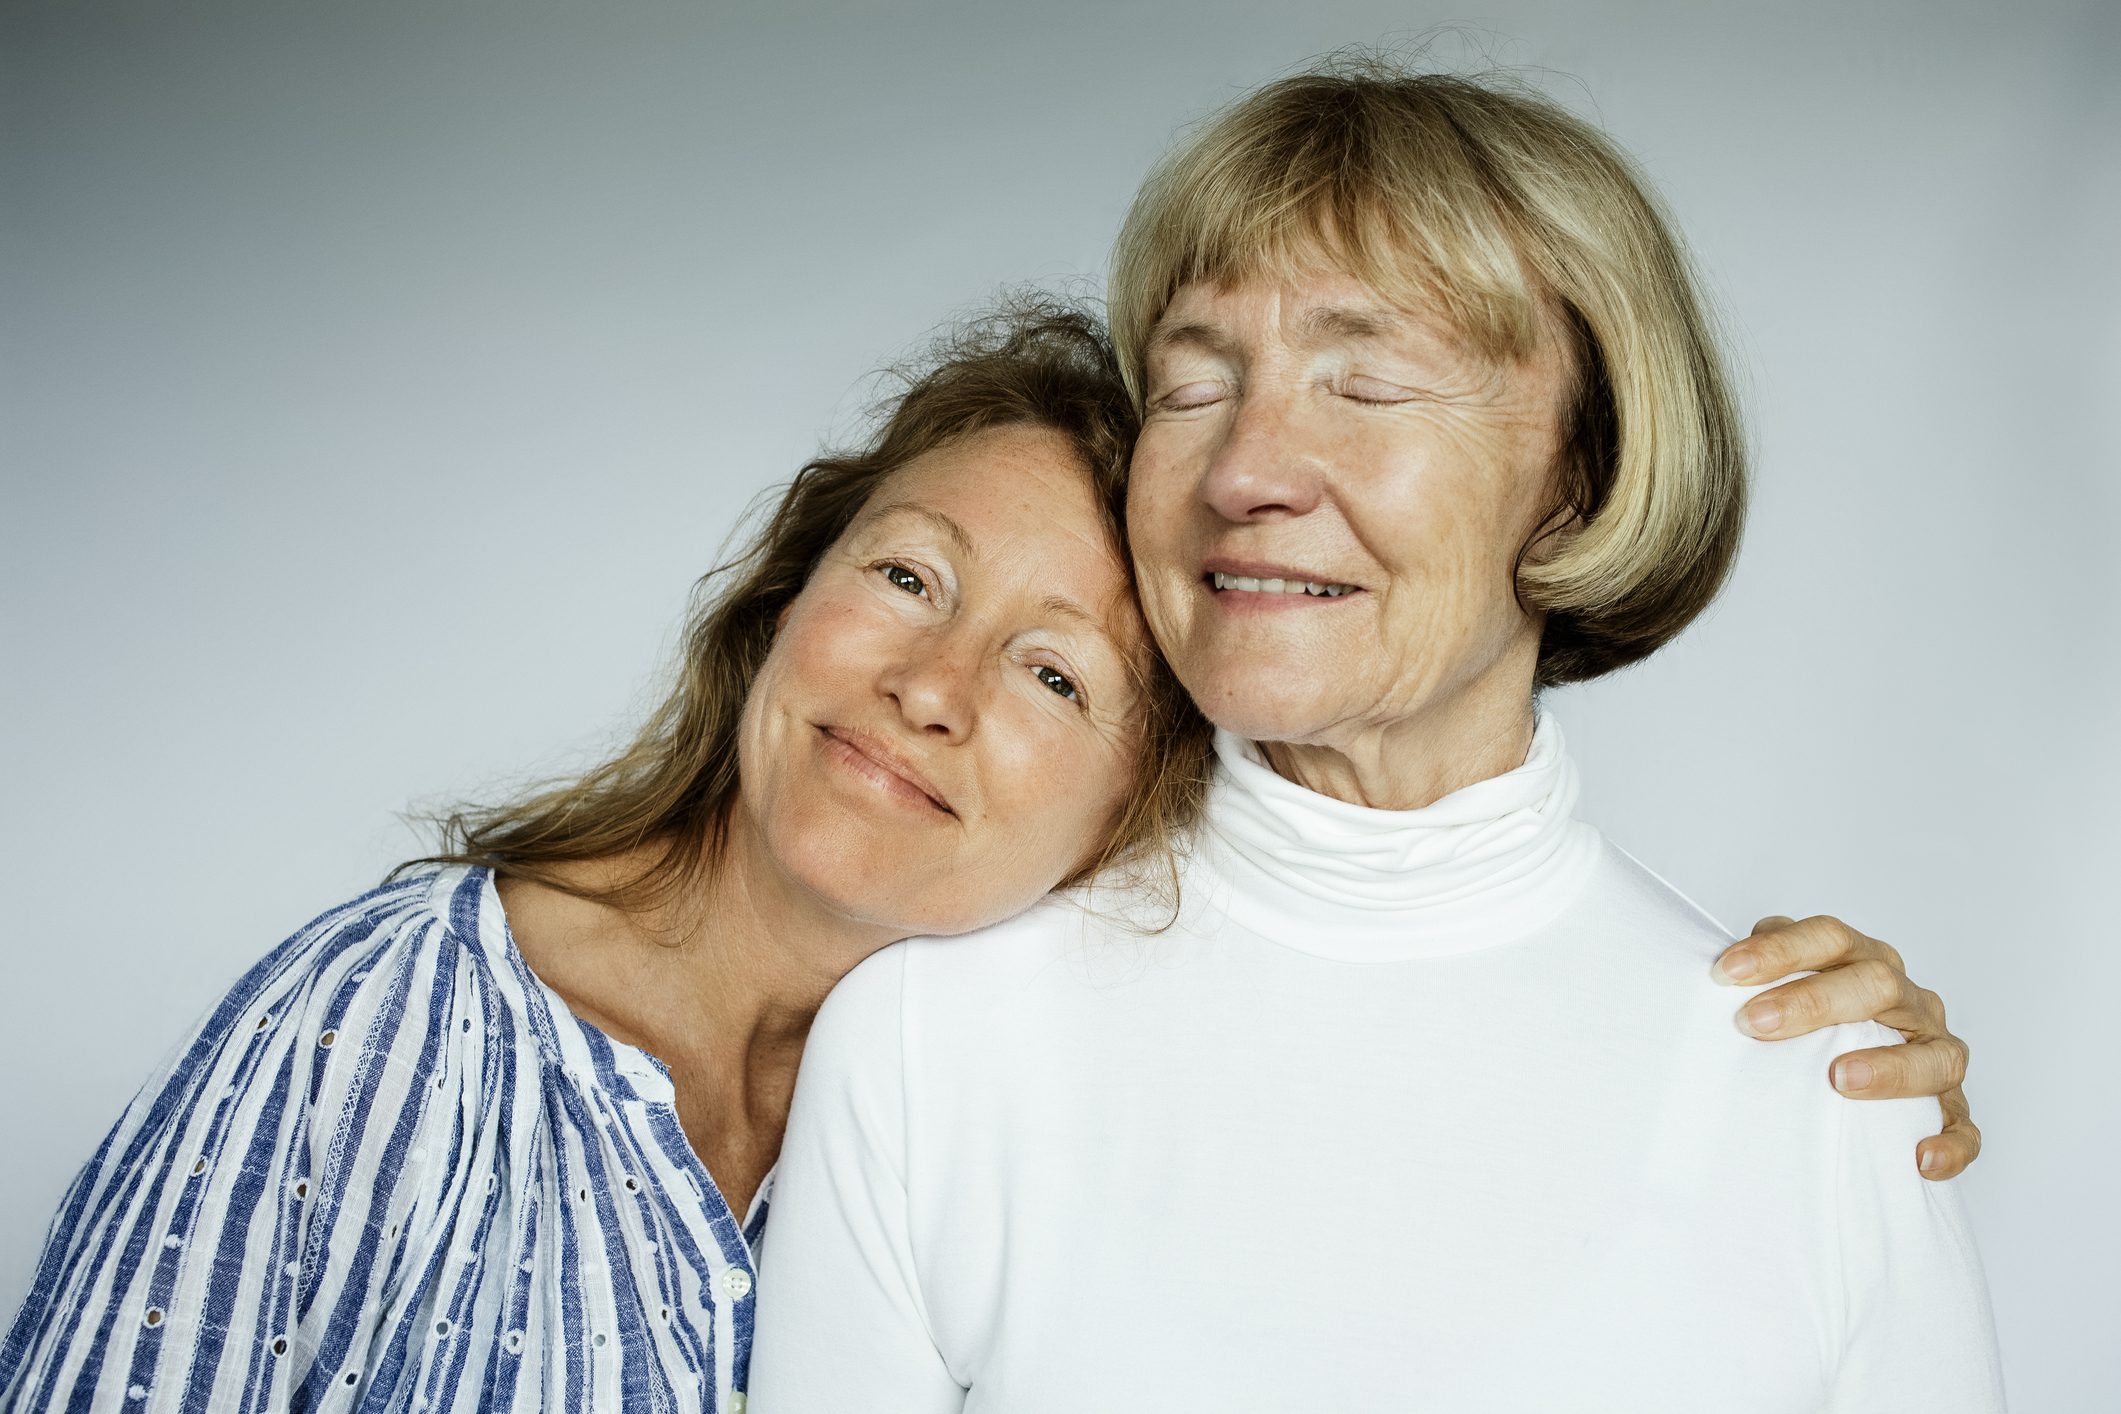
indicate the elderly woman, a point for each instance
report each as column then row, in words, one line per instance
column 1424, row 1099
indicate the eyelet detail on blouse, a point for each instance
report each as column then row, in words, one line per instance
column 442, row 1329
column 154, row 1316
column 513, row 1342
column 302, row 1188
column 633, row 1185
column 351, row 1378
column 199, row 1167
column 328, row 1039
column 279, row 1345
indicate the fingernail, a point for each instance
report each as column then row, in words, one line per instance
column 1931, row 1161
column 1736, row 966
column 1760, row 1018
column 1852, row 1075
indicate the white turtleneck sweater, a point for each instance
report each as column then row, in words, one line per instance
column 1422, row 1110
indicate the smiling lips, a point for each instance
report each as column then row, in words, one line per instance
column 1246, row 584
column 1252, row 577
column 883, row 765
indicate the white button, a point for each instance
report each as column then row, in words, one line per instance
column 737, row 1283
column 736, row 1402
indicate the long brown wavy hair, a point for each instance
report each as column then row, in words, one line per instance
column 1035, row 361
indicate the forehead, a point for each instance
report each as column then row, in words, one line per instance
column 1324, row 307
column 1019, row 504
column 1318, row 308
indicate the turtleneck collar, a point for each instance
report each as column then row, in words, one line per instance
column 1483, row 865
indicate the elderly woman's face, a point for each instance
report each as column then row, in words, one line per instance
column 1327, row 503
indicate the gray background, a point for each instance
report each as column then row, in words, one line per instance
column 378, row 378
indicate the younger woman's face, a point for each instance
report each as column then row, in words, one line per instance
column 946, row 726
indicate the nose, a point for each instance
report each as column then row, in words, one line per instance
column 934, row 682
column 1260, row 470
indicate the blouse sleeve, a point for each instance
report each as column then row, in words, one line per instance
column 1917, row 1332
column 842, row 1325
column 236, row 1237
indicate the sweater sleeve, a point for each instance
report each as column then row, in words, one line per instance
column 842, row 1325
column 234, row 1239
column 1917, row 1332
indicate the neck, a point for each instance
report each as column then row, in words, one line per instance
column 720, row 982
column 753, row 954
column 1417, row 759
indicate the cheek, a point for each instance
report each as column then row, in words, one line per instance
column 1446, row 517
column 1159, row 491
column 1053, row 796
column 827, row 634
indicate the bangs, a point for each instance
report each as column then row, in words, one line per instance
column 1396, row 200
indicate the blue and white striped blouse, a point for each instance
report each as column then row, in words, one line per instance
column 393, row 1171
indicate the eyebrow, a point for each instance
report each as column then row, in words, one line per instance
column 1324, row 324
column 1058, row 605
column 1340, row 323
column 957, row 534
column 1191, row 335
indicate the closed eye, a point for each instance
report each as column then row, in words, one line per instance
column 1199, row 394
column 905, row 579
column 1374, row 391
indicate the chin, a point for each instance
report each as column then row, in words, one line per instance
column 1244, row 706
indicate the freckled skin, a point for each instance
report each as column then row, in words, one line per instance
column 960, row 677
column 1394, row 460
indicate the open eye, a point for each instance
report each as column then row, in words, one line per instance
column 1059, row 681
column 905, row 579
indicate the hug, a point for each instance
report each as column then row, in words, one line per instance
column 1140, row 740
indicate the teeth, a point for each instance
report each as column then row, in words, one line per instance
column 1280, row 586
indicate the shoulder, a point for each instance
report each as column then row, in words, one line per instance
column 368, row 1005
column 388, row 957
column 1080, row 935
column 930, row 970
column 1639, row 898
column 1662, row 945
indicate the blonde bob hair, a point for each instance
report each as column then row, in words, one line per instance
column 1503, row 213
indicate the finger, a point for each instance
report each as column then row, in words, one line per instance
column 1931, row 1067
column 1946, row 1155
column 1806, row 945
column 1741, row 963
column 1856, row 991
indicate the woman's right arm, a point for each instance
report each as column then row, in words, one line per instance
column 842, row 1325
column 236, row 1234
